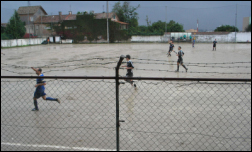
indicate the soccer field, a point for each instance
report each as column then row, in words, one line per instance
column 159, row 115
column 150, row 60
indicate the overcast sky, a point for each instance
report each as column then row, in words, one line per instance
column 210, row 14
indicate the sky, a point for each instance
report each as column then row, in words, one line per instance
column 210, row 14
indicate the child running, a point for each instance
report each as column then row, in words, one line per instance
column 170, row 48
column 39, row 92
column 129, row 68
column 180, row 54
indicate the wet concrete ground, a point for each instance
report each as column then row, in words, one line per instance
column 229, row 61
column 158, row 115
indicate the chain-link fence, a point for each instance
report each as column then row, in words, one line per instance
column 188, row 116
column 159, row 115
column 84, row 118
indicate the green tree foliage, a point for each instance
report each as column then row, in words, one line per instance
column 248, row 29
column 226, row 28
column 15, row 27
column 2, row 29
column 158, row 28
column 128, row 14
column 172, row 26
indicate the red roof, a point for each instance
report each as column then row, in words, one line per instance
column 121, row 22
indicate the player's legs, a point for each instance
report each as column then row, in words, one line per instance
column 177, row 66
column 35, row 97
column 184, row 66
column 35, row 104
column 50, row 98
column 169, row 52
column 129, row 80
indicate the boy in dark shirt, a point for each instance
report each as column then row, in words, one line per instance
column 129, row 68
column 170, row 48
column 214, row 44
column 180, row 54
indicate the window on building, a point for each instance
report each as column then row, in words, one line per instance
column 31, row 19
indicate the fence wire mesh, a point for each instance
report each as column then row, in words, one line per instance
column 159, row 115
column 84, row 120
column 187, row 116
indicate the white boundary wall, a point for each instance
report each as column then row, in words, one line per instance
column 21, row 42
column 33, row 41
column 240, row 37
column 164, row 38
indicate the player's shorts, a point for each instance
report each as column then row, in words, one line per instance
column 214, row 45
column 129, row 75
column 180, row 60
column 170, row 50
column 38, row 94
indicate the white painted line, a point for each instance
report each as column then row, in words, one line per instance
column 57, row 147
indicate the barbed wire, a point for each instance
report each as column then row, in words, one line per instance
column 122, row 68
column 112, row 62
column 185, row 133
column 97, row 65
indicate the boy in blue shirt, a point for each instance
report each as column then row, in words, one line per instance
column 39, row 92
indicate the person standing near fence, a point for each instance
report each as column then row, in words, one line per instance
column 170, row 48
column 214, row 44
column 180, row 55
column 40, row 90
column 129, row 68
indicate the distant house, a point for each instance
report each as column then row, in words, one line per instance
column 113, row 18
column 3, row 24
column 191, row 30
column 41, row 24
column 29, row 14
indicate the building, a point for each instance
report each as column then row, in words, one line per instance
column 191, row 30
column 41, row 24
column 246, row 22
column 29, row 14
column 113, row 18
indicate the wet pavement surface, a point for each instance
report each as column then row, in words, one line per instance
column 158, row 115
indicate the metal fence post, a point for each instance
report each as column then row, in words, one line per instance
column 117, row 102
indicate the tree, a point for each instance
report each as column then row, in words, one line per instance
column 2, row 29
column 248, row 29
column 226, row 28
column 15, row 27
column 172, row 26
column 148, row 21
column 128, row 14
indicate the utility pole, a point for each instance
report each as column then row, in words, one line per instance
column 107, row 24
column 165, row 19
column 51, row 23
column 197, row 25
column 15, row 25
column 41, row 23
column 29, row 21
column 235, row 22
